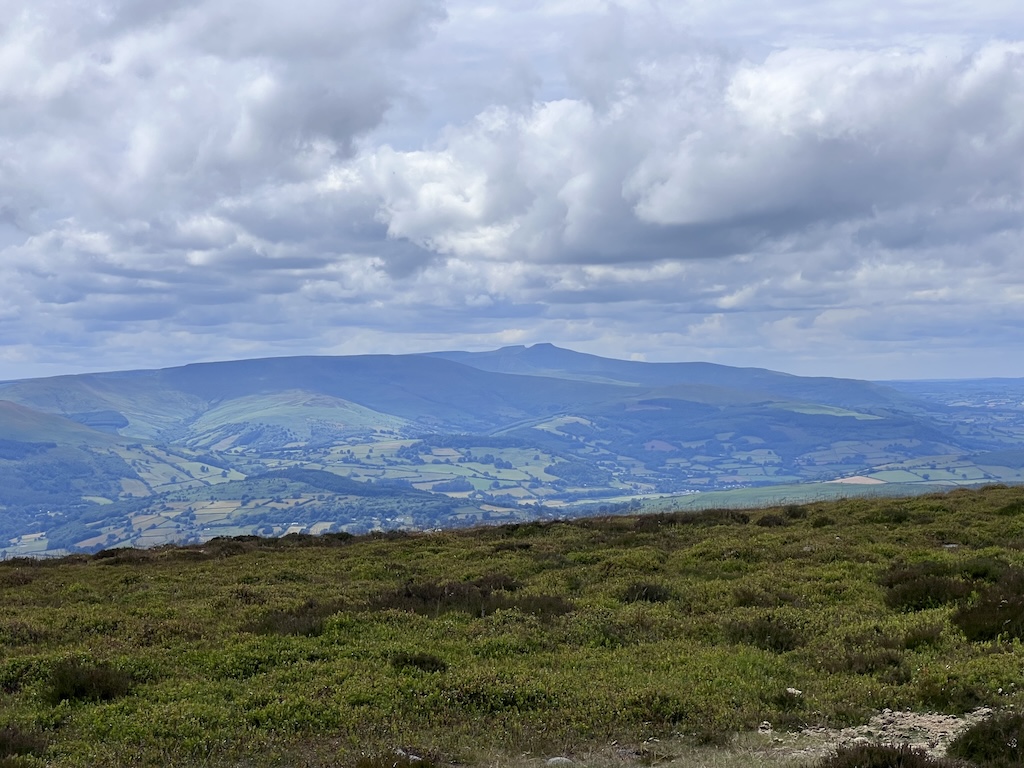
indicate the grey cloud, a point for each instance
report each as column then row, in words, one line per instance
column 316, row 30
column 806, row 145
column 749, row 184
column 163, row 116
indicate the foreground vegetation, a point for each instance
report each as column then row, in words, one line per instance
column 541, row 638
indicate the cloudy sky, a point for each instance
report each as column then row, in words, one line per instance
column 831, row 187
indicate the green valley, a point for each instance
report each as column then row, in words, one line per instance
column 455, row 439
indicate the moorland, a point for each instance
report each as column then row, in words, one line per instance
column 660, row 638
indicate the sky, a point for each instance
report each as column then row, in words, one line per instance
column 830, row 188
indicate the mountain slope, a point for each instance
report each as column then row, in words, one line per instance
column 448, row 439
column 430, row 393
column 756, row 383
column 20, row 423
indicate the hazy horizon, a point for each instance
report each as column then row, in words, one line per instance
column 513, row 346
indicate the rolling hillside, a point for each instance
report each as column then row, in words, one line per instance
column 153, row 456
column 700, row 379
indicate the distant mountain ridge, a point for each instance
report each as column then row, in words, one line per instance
column 549, row 360
column 449, row 438
column 432, row 392
column 445, row 390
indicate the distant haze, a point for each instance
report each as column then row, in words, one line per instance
column 829, row 188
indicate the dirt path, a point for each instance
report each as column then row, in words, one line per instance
column 765, row 748
column 928, row 731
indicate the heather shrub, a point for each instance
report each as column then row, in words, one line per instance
column 995, row 742
column 425, row 662
column 395, row 759
column 954, row 693
column 76, row 681
column 21, row 633
column 1012, row 509
column 795, row 512
column 307, row 620
column 993, row 617
column 769, row 633
column 921, row 586
column 745, row 596
column 923, row 636
column 988, row 569
column 703, row 518
column 882, row 756
column 16, row 741
column 886, row 663
column 647, row 592
column 998, row 612
column 480, row 597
